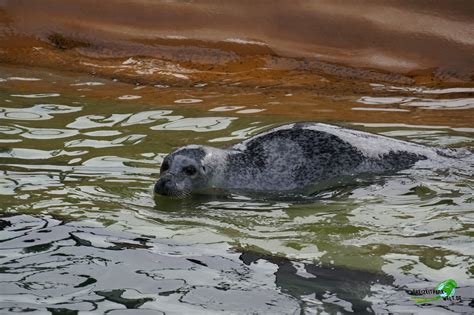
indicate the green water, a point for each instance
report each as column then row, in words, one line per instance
column 94, row 160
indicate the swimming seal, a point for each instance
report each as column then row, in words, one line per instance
column 292, row 158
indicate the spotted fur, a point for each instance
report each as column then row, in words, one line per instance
column 291, row 158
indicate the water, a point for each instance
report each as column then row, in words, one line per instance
column 82, row 230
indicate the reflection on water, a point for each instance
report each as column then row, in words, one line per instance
column 200, row 124
column 422, row 90
column 36, row 112
column 129, row 97
column 42, row 95
column 381, row 109
column 23, row 79
column 92, row 161
column 461, row 103
column 33, row 154
column 188, row 101
column 39, row 133
column 78, row 266
column 58, row 266
column 91, row 83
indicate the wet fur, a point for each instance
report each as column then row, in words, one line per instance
column 294, row 158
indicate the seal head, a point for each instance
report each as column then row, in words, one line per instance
column 183, row 172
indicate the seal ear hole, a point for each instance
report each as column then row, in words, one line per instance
column 204, row 169
column 190, row 170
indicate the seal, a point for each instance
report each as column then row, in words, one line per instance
column 294, row 158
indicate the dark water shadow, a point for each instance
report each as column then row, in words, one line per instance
column 334, row 286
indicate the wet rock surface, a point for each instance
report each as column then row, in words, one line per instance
column 433, row 39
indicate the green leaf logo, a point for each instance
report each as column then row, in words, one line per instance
column 447, row 289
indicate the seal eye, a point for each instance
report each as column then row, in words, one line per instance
column 165, row 166
column 190, row 170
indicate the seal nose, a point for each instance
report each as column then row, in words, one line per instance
column 162, row 186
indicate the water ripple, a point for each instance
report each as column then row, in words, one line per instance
column 126, row 140
column 199, row 124
column 37, row 112
column 36, row 154
column 41, row 95
column 372, row 239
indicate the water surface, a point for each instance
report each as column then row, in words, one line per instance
column 82, row 230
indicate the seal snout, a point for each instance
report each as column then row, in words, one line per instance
column 163, row 186
column 167, row 185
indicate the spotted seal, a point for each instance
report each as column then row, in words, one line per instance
column 291, row 158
